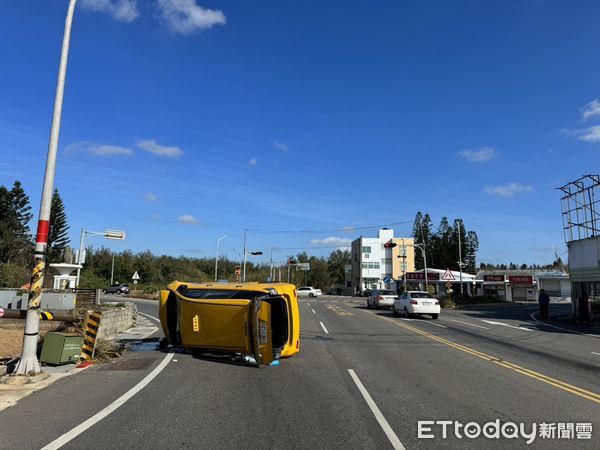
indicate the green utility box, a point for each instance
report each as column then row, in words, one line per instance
column 61, row 348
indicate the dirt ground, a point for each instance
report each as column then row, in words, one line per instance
column 11, row 342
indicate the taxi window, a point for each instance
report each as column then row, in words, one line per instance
column 213, row 294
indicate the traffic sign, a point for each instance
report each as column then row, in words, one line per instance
column 387, row 280
column 135, row 276
column 448, row 276
column 448, row 285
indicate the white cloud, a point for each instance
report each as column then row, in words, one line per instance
column 96, row 149
column 187, row 17
column 187, row 219
column 507, row 190
column 121, row 10
column 332, row 241
column 591, row 134
column 592, row 109
column 252, row 162
column 151, row 146
column 282, row 146
column 483, row 154
column 150, row 197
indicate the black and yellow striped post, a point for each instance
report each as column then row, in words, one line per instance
column 90, row 330
column 46, row 315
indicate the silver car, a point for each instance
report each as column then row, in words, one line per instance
column 381, row 298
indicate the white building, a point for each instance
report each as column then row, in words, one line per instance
column 376, row 267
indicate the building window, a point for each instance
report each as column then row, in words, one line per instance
column 366, row 256
column 366, row 249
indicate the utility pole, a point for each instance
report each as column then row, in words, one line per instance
column 460, row 263
column 424, row 249
column 404, row 263
column 28, row 364
column 245, row 252
column 112, row 268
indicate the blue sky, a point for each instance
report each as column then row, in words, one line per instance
column 185, row 120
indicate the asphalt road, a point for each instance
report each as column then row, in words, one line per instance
column 363, row 379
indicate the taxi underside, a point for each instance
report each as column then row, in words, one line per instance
column 251, row 324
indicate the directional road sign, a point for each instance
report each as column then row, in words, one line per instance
column 448, row 276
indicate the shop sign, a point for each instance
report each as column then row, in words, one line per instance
column 420, row 276
column 521, row 279
column 493, row 278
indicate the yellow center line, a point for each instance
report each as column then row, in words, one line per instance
column 514, row 367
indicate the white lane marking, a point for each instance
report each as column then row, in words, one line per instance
column 532, row 315
column 314, row 312
column 491, row 322
column 308, row 304
column 472, row 324
column 594, row 353
column 383, row 423
column 149, row 316
column 432, row 323
column 404, row 318
column 70, row 435
column 324, row 329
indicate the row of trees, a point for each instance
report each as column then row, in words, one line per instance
column 16, row 239
column 442, row 246
column 157, row 271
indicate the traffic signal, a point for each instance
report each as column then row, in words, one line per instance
column 390, row 244
column 291, row 261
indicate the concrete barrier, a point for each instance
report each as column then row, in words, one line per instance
column 51, row 300
column 116, row 319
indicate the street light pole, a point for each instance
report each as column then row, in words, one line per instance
column 217, row 257
column 28, row 364
column 108, row 234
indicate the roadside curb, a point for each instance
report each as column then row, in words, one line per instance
column 570, row 330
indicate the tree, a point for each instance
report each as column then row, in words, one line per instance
column 58, row 238
column 421, row 234
column 471, row 252
column 337, row 262
column 442, row 251
column 15, row 215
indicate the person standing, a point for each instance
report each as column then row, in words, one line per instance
column 544, row 301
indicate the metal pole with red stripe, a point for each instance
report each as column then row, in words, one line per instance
column 28, row 364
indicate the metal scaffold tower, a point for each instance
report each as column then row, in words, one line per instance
column 580, row 208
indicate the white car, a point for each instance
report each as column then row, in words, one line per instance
column 308, row 291
column 416, row 302
column 381, row 298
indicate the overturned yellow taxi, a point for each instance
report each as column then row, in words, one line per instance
column 258, row 321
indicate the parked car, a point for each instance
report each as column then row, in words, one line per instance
column 416, row 302
column 259, row 321
column 117, row 289
column 308, row 291
column 381, row 298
